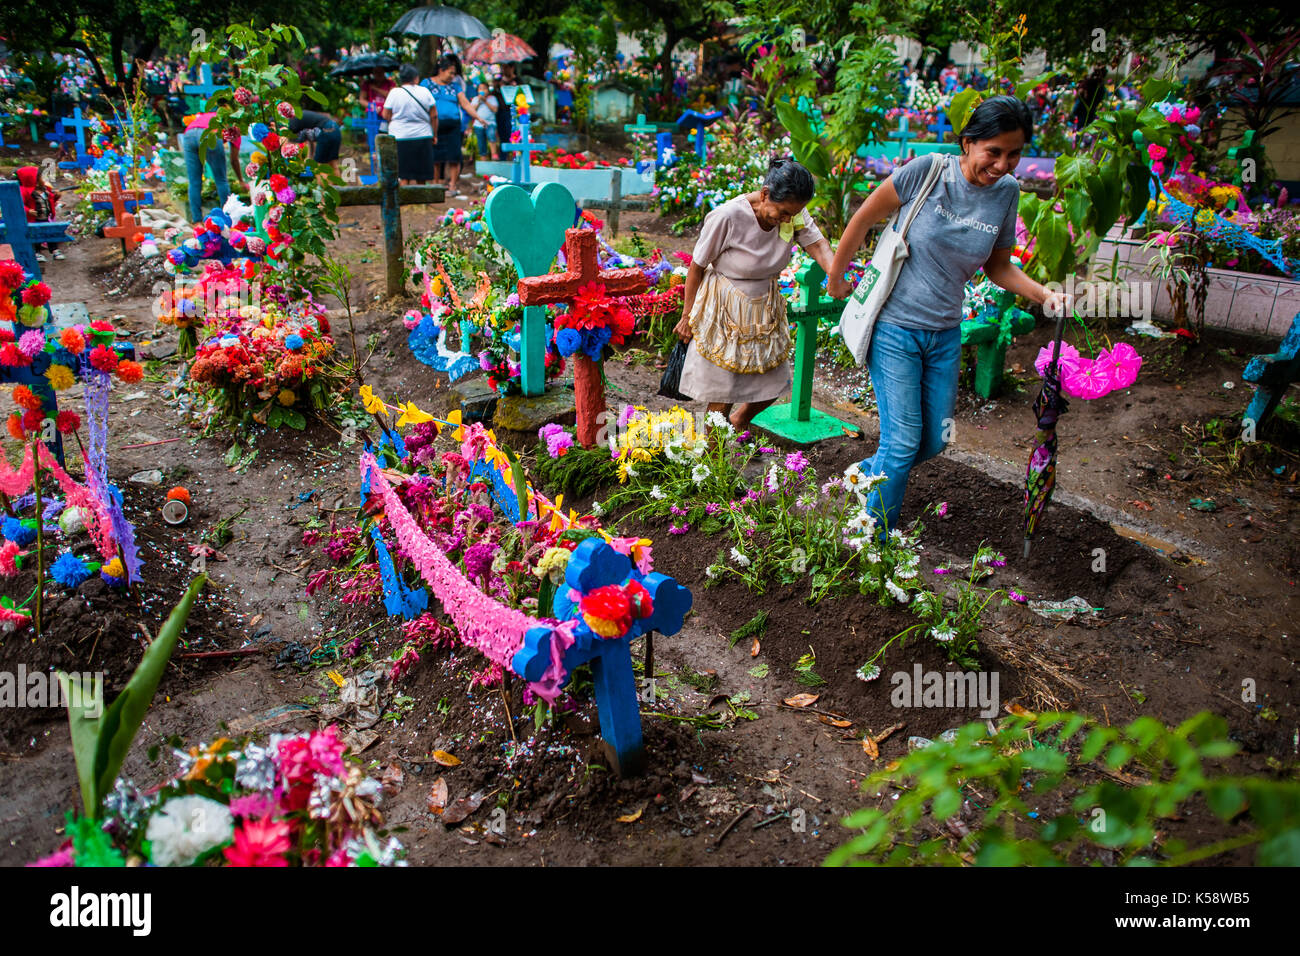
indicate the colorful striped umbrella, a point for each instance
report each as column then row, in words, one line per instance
column 1040, row 476
column 499, row 48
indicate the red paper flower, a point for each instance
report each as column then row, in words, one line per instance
column 15, row 426
column 33, row 419
column 12, row 356
column 38, row 294
column 11, row 274
column 259, row 843
column 67, row 422
column 103, row 358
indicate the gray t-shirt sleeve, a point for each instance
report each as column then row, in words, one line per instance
column 1007, row 234
column 909, row 178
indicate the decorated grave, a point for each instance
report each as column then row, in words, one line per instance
column 538, row 591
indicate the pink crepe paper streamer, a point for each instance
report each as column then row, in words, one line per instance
column 78, row 495
column 496, row 630
column 14, row 483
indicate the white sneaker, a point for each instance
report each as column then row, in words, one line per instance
column 40, row 257
column 59, row 255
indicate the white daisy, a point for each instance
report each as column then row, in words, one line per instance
column 854, row 479
column 718, row 420
column 711, row 571
column 739, row 559
column 699, row 473
column 597, row 509
column 898, row 593
column 657, row 493
column 943, row 635
column 868, row 672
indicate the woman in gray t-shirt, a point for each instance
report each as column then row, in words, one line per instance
column 968, row 222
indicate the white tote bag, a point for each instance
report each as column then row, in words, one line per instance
column 858, row 319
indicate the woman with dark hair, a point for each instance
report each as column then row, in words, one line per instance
column 449, row 94
column 967, row 222
column 733, row 313
column 412, row 121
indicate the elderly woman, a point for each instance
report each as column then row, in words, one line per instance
column 733, row 313
column 967, row 222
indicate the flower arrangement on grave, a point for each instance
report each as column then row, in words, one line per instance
column 593, row 321
column 558, row 156
column 269, row 362
column 694, row 190
column 453, row 512
column 296, row 200
column 296, row 800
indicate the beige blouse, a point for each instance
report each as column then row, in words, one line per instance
column 739, row 248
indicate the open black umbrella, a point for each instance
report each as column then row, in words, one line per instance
column 364, row 63
column 440, row 21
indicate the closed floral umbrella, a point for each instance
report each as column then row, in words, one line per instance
column 1040, row 476
column 499, row 48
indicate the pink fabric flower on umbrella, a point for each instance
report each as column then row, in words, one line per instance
column 1069, row 359
column 1088, row 380
column 1121, row 364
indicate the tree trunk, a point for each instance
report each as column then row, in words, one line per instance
column 541, row 41
column 671, row 39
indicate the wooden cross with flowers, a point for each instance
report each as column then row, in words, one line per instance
column 587, row 289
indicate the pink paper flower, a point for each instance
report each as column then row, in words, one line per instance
column 1156, row 151
column 1068, row 361
column 1088, row 381
column 1121, row 364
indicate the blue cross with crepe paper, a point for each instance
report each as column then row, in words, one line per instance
column 595, row 564
column 428, row 343
column 3, row 144
column 398, row 598
column 665, row 155
column 525, row 148
column 205, row 87
column 370, row 123
column 60, row 137
column 700, row 121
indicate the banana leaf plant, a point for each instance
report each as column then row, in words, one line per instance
column 101, row 738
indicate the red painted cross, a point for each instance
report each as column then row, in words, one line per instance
column 118, row 196
column 580, row 254
column 126, row 230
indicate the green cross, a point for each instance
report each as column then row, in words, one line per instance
column 799, row 421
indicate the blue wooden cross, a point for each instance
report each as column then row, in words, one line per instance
column 902, row 135
column 370, row 123
column 60, row 137
column 700, row 121
column 941, row 127
column 20, row 234
column 1272, row 374
column 665, row 154
column 525, row 148
column 3, row 144
column 79, row 123
column 205, row 87
column 595, row 564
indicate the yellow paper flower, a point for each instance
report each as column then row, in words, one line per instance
column 60, row 377
column 372, row 402
column 412, row 415
column 287, row 397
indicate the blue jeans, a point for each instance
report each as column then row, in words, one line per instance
column 914, row 375
column 194, row 157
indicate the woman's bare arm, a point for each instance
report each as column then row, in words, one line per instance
column 882, row 203
column 694, row 276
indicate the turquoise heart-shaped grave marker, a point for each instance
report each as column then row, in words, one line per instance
column 530, row 226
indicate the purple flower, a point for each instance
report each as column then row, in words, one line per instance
column 764, row 450
column 796, row 462
column 743, row 436
column 478, row 560
column 286, row 195
column 942, row 510
column 677, row 512
column 942, row 571
column 485, row 361
column 673, row 529
column 712, row 508
column 1017, row 596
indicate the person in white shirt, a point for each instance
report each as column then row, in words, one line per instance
column 412, row 120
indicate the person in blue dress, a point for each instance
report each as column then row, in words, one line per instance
column 449, row 96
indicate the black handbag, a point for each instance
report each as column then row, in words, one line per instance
column 672, row 377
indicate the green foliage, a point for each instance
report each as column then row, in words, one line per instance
column 578, row 472
column 968, row 800
column 102, row 738
column 313, row 219
column 756, row 626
